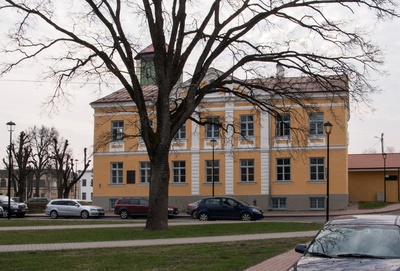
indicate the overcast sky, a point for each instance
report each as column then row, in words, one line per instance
column 22, row 101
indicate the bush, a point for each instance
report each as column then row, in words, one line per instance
column 36, row 207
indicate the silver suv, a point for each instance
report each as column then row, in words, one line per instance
column 72, row 207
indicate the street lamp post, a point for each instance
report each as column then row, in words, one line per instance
column 213, row 141
column 10, row 125
column 384, row 155
column 328, row 131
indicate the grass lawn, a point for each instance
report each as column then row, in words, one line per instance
column 214, row 256
column 232, row 256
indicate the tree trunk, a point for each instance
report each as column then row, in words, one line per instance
column 158, row 210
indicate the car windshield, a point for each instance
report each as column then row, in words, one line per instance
column 372, row 241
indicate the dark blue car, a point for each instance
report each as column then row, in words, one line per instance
column 216, row 208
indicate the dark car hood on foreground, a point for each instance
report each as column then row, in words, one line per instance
column 347, row 264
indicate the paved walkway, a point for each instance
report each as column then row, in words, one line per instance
column 279, row 263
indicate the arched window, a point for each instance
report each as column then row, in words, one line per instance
column 3, row 183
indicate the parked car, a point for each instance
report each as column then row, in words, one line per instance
column 191, row 209
column 72, row 207
column 16, row 208
column 360, row 242
column 133, row 207
column 38, row 199
column 214, row 208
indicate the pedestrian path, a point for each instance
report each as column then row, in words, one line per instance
column 153, row 242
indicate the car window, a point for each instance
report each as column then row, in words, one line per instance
column 72, row 203
column 134, row 201
column 144, row 202
column 231, row 202
column 123, row 201
column 376, row 240
column 212, row 202
column 58, row 202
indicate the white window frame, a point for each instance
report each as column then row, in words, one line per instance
column 317, row 169
column 117, row 173
column 283, row 169
column 144, row 172
column 247, row 125
column 179, row 171
column 247, row 168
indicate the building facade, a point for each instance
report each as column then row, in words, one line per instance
column 85, row 186
column 275, row 161
column 374, row 177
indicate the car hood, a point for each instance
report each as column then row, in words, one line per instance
column 345, row 264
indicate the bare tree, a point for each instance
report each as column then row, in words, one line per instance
column 41, row 139
column 22, row 171
column 99, row 39
column 64, row 167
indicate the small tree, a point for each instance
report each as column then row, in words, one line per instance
column 21, row 154
column 41, row 139
column 64, row 168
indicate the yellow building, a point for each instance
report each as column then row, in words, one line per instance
column 374, row 177
column 275, row 160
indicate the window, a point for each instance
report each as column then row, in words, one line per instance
column 84, row 195
column 112, row 203
column 209, row 171
column 283, row 125
column 179, row 171
column 247, row 125
column 247, row 170
column 278, row 203
column 317, row 169
column 283, row 169
column 117, row 173
column 130, row 176
column 144, row 172
column 212, row 127
column 83, row 182
column 181, row 134
column 117, row 130
column 3, row 183
column 148, row 72
column 316, row 124
column 317, row 203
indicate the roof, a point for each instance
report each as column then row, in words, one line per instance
column 373, row 161
column 122, row 95
column 148, row 50
column 280, row 85
column 303, row 84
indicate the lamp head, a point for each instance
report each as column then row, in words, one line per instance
column 328, row 127
column 11, row 126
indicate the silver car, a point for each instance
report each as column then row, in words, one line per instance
column 72, row 207
column 359, row 242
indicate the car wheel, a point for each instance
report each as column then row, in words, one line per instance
column 5, row 213
column 53, row 214
column 203, row 217
column 194, row 214
column 85, row 214
column 124, row 214
column 246, row 217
